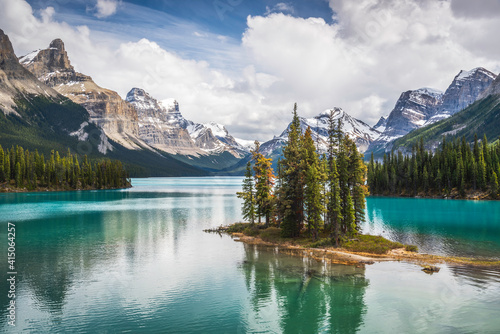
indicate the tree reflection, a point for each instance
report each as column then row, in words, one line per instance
column 302, row 295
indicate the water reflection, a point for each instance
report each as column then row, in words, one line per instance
column 292, row 296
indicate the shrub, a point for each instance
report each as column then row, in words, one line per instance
column 271, row 234
column 237, row 227
column 411, row 248
column 322, row 243
column 251, row 231
column 371, row 244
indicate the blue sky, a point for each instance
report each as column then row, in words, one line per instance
column 243, row 63
column 176, row 24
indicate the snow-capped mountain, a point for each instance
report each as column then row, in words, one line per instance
column 465, row 89
column 417, row 108
column 106, row 108
column 357, row 130
column 162, row 125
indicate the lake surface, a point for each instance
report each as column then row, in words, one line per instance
column 137, row 261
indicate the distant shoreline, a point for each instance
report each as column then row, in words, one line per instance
column 9, row 190
column 476, row 196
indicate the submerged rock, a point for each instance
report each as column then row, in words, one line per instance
column 430, row 269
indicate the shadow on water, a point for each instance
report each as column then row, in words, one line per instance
column 302, row 296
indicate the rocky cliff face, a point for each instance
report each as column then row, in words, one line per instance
column 15, row 80
column 412, row 110
column 159, row 124
column 19, row 84
column 162, row 125
column 107, row 109
column 465, row 89
column 493, row 89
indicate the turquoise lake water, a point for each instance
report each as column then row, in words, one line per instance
column 137, row 261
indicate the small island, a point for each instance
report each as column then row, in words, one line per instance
column 315, row 205
column 23, row 171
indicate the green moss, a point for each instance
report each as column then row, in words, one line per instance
column 371, row 244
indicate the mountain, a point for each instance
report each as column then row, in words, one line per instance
column 159, row 126
column 357, row 130
column 106, row 108
column 417, row 108
column 412, row 110
column 481, row 118
column 381, row 124
column 465, row 89
column 37, row 117
column 162, row 126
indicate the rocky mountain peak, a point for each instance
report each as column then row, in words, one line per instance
column 44, row 63
column 7, row 55
column 57, row 44
column 381, row 124
column 474, row 74
column 465, row 89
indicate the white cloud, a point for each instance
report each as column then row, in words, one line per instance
column 105, row 8
column 362, row 63
column 280, row 7
column 376, row 50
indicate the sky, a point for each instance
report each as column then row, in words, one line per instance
column 243, row 63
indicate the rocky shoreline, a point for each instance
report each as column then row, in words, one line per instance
column 428, row 262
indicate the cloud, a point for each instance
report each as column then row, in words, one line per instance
column 373, row 52
column 105, row 8
column 280, row 7
column 476, row 9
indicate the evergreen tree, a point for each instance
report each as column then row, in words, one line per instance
column 264, row 181
column 494, row 185
column 248, row 195
column 2, row 163
column 293, row 181
column 18, row 175
column 313, row 196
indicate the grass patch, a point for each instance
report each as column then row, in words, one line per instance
column 237, row 227
column 271, row 234
column 325, row 242
column 371, row 244
column 251, row 231
column 411, row 248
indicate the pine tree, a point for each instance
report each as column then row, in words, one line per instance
column 313, row 198
column 494, row 185
column 2, row 162
column 358, row 178
column 248, row 195
column 293, row 181
column 18, row 175
column 264, row 181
